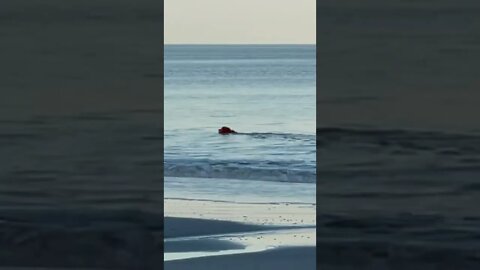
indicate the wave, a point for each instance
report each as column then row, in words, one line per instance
column 257, row 135
column 240, row 169
column 266, row 156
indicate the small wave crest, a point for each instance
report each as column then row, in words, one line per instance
column 239, row 170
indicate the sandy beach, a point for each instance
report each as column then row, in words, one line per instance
column 228, row 232
column 213, row 244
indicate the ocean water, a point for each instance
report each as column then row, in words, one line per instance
column 264, row 92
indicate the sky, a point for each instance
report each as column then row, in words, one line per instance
column 240, row 21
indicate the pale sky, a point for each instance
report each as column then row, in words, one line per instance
column 240, row 21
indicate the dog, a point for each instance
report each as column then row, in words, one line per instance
column 226, row 131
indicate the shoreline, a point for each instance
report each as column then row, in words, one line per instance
column 221, row 230
column 195, row 238
column 209, row 225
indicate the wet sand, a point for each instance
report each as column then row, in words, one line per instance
column 236, row 232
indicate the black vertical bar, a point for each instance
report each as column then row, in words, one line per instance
column 398, row 134
column 81, row 134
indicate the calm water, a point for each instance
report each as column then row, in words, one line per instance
column 267, row 93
